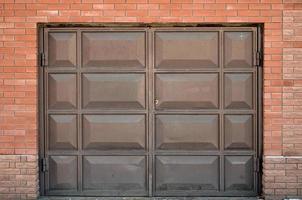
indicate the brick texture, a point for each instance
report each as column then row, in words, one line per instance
column 18, row 74
column 292, row 91
column 282, row 177
column 18, row 177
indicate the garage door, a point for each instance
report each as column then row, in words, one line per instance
column 150, row 111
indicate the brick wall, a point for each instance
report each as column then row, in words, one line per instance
column 282, row 87
column 283, row 174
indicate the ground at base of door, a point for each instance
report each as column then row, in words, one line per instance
column 150, row 198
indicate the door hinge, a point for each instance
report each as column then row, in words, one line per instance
column 258, row 59
column 43, row 165
column 42, row 59
column 257, row 165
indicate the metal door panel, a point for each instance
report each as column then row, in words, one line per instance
column 114, row 173
column 150, row 111
column 109, row 132
column 238, row 91
column 186, row 174
column 187, row 132
column 186, row 50
column 238, row 132
column 63, row 132
column 186, row 91
column 113, row 91
column 109, row 49
column 238, row 49
column 63, row 173
column 62, row 91
column 239, row 173
column 62, row 49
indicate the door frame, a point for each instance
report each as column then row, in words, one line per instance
column 40, row 87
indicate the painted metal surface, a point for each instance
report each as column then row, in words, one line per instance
column 150, row 111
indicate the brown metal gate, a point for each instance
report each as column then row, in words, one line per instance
column 150, row 111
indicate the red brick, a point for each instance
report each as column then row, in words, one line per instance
column 252, row 13
column 187, row 6
column 248, row 1
column 149, row 6
column 11, row 6
column 21, row 13
column 159, row 1
column 81, row 6
column 159, row 13
column 114, row 13
column 137, row 13
column 182, row 13
column 226, row 13
column 219, row 6
column 117, row 6
column 226, row 1
column 69, row 13
column 137, row 1
column 204, row 13
column 260, row 6
column 271, row 13
column 181, row 1
column 237, row 6
column 93, row 13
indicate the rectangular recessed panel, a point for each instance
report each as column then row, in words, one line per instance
column 113, row 91
column 186, row 50
column 186, row 174
column 186, row 91
column 238, row 48
column 62, row 132
column 62, row 91
column 62, row 49
column 114, row 173
column 238, row 90
column 238, row 131
column 62, row 173
column 112, row 132
column 187, row 132
column 117, row 50
column 239, row 174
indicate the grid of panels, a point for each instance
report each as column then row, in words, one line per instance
column 204, row 112
column 96, row 109
column 202, row 103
